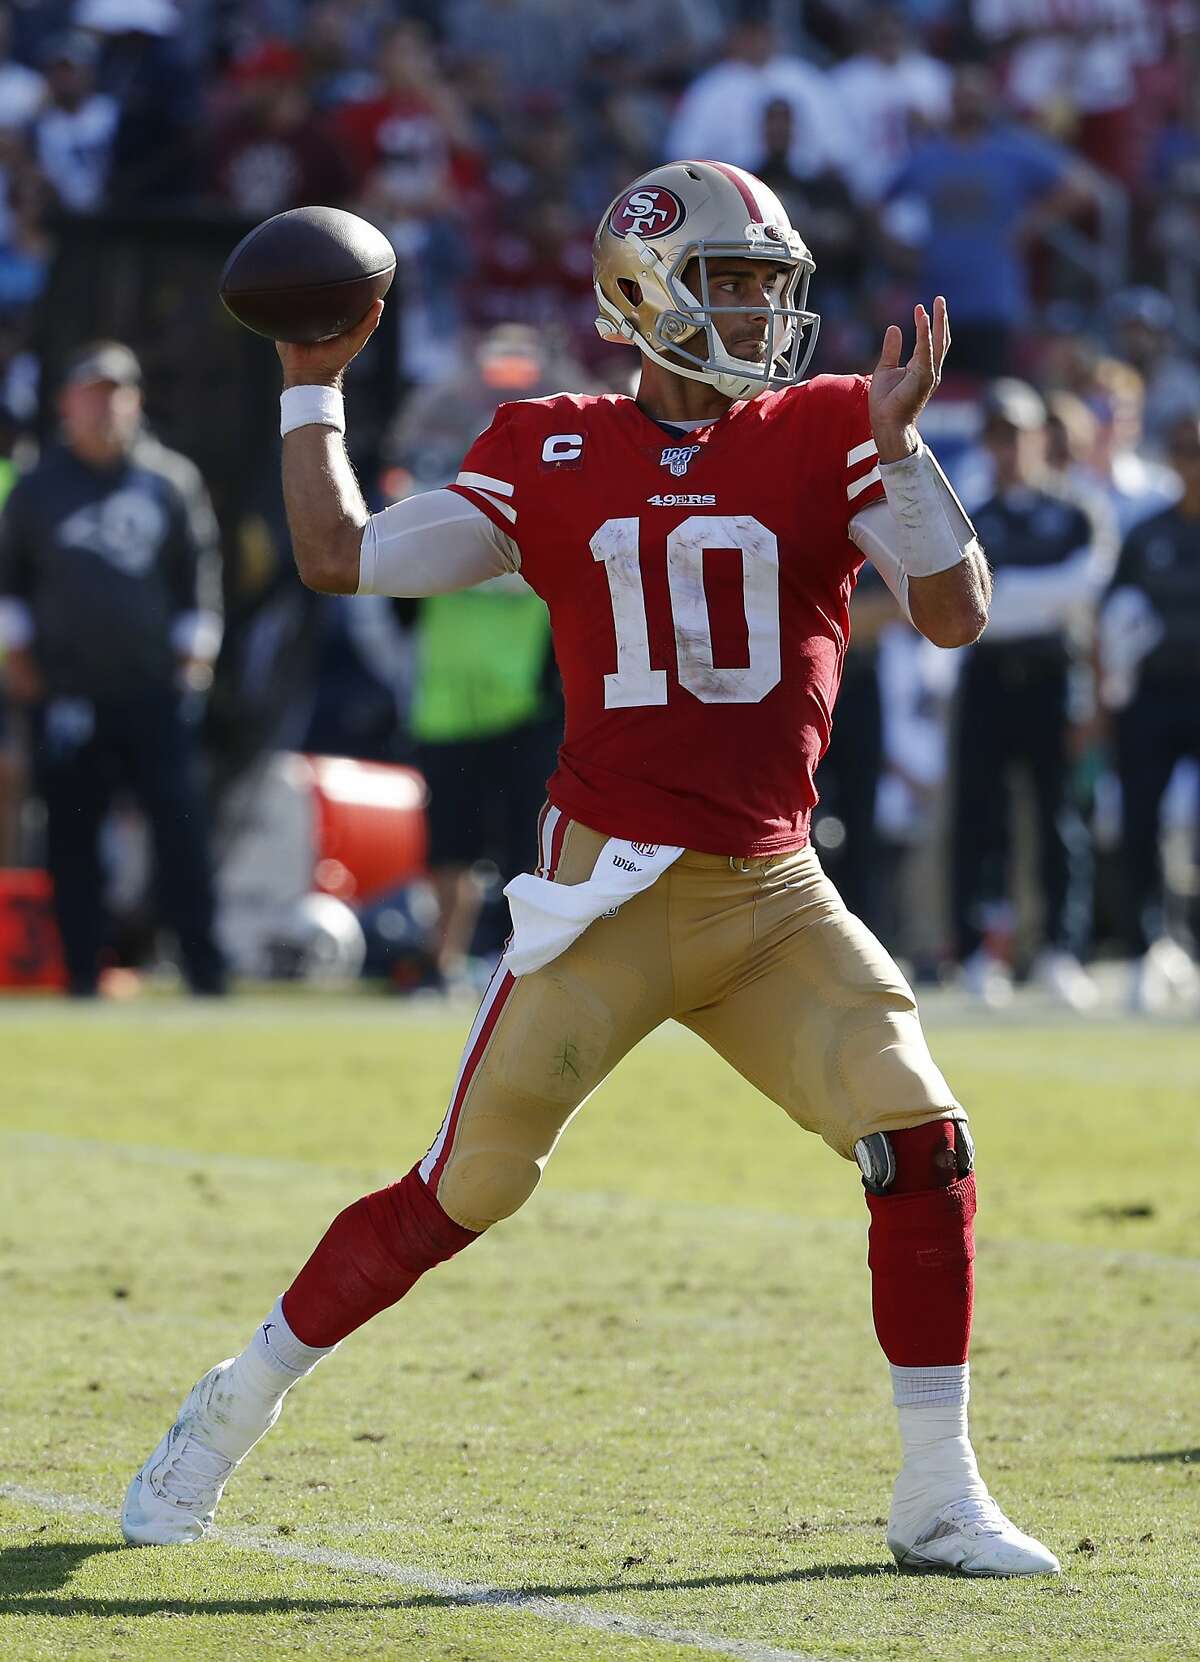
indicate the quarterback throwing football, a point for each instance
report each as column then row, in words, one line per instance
column 697, row 546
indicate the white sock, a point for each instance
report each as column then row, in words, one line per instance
column 939, row 1463
column 274, row 1360
column 247, row 1400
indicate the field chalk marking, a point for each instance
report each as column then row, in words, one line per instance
column 263, row 1165
column 457, row 1592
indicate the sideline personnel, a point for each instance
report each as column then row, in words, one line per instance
column 109, row 587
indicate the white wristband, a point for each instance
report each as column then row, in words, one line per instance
column 311, row 407
column 934, row 530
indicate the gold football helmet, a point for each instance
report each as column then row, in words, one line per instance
column 686, row 211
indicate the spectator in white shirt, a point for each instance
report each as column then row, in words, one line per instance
column 73, row 135
column 721, row 114
column 889, row 90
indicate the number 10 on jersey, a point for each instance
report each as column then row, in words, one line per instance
column 636, row 682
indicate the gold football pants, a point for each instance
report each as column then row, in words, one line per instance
column 759, row 957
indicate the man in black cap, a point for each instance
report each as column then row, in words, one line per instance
column 1051, row 557
column 109, row 602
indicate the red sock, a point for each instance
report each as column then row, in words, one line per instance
column 368, row 1258
column 922, row 1245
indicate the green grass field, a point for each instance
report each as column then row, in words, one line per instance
column 646, row 1419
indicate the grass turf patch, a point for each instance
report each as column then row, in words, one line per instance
column 653, row 1395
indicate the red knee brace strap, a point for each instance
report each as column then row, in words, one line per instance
column 922, row 1247
column 368, row 1258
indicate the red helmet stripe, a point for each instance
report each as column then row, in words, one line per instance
column 735, row 176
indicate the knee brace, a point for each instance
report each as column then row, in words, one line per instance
column 481, row 1186
column 930, row 1156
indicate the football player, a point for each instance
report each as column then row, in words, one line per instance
column 697, row 546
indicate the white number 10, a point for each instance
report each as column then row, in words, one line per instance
column 635, row 682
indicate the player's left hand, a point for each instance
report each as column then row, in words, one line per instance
column 899, row 392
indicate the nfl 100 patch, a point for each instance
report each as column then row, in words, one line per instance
column 678, row 457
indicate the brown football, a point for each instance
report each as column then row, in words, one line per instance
column 307, row 274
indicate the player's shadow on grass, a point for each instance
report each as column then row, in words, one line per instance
column 108, row 1608
column 44, row 1566
column 1180, row 1456
column 28, row 1573
column 659, row 1584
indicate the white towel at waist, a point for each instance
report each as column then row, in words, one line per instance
column 548, row 916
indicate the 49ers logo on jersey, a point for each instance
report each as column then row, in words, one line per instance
column 650, row 211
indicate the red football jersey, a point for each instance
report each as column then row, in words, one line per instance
column 699, row 590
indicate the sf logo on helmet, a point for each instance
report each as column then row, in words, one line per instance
column 650, row 211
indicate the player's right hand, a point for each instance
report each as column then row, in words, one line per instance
column 322, row 363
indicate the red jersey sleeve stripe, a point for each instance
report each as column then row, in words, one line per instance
column 500, row 513
column 861, row 452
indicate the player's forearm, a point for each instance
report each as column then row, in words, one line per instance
column 928, row 535
column 325, row 509
column 950, row 608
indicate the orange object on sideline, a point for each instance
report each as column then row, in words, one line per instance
column 371, row 832
column 30, row 949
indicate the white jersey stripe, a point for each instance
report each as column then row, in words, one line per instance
column 484, row 481
column 860, row 485
column 489, row 998
column 861, row 452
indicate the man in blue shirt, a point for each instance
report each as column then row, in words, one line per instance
column 966, row 207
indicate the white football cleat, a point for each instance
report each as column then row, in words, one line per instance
column 1163, row 978
column 173, row 1498
column 975, row 1537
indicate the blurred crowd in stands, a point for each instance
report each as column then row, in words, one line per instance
column 1037, row 161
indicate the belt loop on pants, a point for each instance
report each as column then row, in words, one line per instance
column 736, row 863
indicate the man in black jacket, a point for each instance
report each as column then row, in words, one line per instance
column 1050, row 559
column 109, row 589
column 1150, row 680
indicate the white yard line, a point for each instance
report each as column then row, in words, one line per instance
column 266, row 1165
column 456, row 1592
